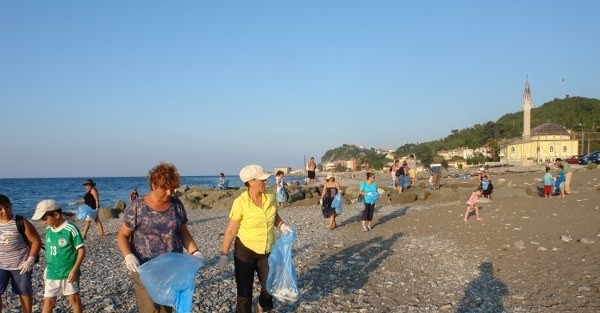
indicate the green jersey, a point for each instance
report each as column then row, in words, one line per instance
column 62, row 244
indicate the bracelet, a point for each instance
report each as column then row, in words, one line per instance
column 194, row 251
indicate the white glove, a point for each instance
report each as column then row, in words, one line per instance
column 369, row 194
column 132, row 262
column 198, row 254
column 223, row 262
column 27, row 266
column 284, row 228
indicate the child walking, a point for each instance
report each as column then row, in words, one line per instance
column 64, row 255
column 548, row 182
column 472, row 203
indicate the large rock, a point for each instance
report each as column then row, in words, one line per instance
column 105, row 214
column 296, row 196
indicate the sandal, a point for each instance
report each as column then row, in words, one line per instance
column 365, row 229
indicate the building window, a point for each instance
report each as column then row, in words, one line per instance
column 512, row 149
column 551, row 149
column 564, row 148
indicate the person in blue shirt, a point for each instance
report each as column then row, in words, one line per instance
column 548, row 182
column 369, row 192
column 561, row 180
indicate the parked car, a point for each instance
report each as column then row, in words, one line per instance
column 592, row 157
column 574, row 159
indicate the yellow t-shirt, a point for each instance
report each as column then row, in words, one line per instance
column 257, row 224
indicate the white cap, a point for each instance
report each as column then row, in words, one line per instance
column 250, row 172
column 44, row 206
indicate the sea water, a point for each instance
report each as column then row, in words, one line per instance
column 25, row 193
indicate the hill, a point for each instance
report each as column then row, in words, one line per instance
column 572, row 112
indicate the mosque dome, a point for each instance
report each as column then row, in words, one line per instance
column 549, row 129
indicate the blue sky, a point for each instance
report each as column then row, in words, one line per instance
column 110, row 88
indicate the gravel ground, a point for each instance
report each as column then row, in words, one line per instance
column 418, row 258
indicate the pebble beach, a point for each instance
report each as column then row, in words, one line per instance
column 419, row 257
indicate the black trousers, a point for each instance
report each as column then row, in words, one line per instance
column 247, row 262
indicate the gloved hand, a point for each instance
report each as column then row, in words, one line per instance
column 223, row 262
column 284, row 228
column 198, row 254
column 132, row 262
column 27, row 266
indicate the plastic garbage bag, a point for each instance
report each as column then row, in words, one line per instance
column 84, row 210
column 336, row 203
column 485, row 183
column 281, row 280
column 170, row 279
column 371, row 197
column 282, row 195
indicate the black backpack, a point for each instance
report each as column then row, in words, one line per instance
column 19, row 220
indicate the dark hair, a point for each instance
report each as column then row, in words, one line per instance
column 221, row 174
column 89, row 182
column 558, row 160
column 369, row 174
column 547, row 168
column 279, row 173
column 4, row 200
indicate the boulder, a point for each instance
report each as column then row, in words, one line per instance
column 296, row 196
column 105, row 214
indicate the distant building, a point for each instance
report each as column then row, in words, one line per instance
column 547, row 141
column 285, row 170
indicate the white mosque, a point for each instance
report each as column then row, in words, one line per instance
column 547, row 141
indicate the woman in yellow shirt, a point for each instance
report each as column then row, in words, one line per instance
column 252, row 223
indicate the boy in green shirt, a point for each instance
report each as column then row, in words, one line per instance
column 64, row 255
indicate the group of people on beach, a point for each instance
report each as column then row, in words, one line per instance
column 20, row 249
column 404, row 175
column 562, row 181
column 152, row 225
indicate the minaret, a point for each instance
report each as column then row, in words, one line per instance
column 526, row 111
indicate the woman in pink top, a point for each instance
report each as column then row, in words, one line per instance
column 472, row 203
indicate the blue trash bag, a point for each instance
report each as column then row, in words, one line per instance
column 282, row 195
column 485, row 183
column 170, row 279
column 405, row 183
column 84, row 210
column 371, row 197
column 336, row 203
column 281, row 280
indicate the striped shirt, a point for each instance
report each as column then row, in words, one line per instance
column 13, row 249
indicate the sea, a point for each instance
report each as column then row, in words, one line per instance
column 25, row 193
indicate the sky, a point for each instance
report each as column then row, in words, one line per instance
column 111, row 88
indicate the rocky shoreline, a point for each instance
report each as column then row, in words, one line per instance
column 420, row 256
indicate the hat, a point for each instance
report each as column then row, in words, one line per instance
column 89, row 182
column 482, row 169
column 250, row 172
column 329, row 175
column 43, row 207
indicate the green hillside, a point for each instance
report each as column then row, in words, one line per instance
column 571, row 112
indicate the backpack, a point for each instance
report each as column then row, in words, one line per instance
column 19, row 220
